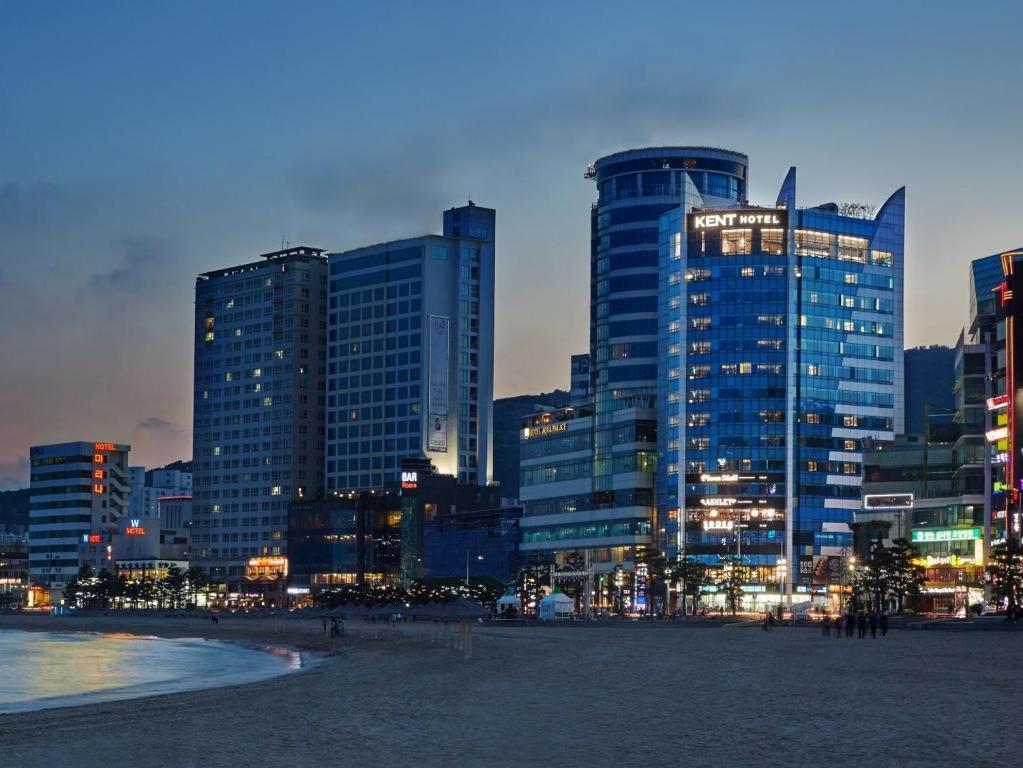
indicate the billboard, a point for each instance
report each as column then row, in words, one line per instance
column 437, row 412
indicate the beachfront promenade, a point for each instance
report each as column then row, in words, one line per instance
column 621, row 694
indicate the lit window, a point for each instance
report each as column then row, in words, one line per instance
column 735, row 241
column 772, row 241
column 881, row 258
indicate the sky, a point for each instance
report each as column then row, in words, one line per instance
column 144, row 143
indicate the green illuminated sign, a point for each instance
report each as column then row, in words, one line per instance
column 948, row 534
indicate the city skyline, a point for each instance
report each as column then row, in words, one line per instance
column 180, row 165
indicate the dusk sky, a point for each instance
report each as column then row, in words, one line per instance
column 143, row 143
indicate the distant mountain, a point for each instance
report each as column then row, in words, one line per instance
column 930, row 377
column 14, row 510
column 508, row 413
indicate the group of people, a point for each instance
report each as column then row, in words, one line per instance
column 860, row 622
column 336, row 627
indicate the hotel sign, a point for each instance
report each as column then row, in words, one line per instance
column 725, row 219
column 877, row 501
column 948, row 534
column 544, row 429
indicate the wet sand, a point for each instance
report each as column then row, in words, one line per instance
column 619, row 695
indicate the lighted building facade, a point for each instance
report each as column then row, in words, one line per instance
column 78, row 490
column 260, row 341
column 411, row 355
column 780, row 353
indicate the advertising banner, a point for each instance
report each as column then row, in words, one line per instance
column 437, row 413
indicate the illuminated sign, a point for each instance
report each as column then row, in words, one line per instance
column 544, row 429
column 948, row 534
column 756, row 217
column 104, row 447
column 996, row 403
column 134, row 529
column 718, row 525
column 298, row 590
column 99, row 458
column 410, row 480
column 719, row 478
column 267, row 566
column 718, row 501
column 888, row 501
column 997, row 434
column 99, row 474
column 92, row 538
column 99, row 488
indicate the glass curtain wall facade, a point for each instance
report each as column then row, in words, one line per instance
column 634, row 188
column 780, row 353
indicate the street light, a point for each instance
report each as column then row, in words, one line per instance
column 478, row 557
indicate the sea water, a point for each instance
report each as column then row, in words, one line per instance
column 46, row 669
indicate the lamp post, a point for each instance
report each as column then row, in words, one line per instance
column 478, row 557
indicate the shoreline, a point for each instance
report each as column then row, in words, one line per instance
column 301, row 657
column 387, row 695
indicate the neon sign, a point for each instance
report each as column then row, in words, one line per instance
column 135, row 529
column 997, row 434
column 754, row 217
column 948, row 534
column 545, row 429
column 104, row 447
column 996, row 403
column 409, row 480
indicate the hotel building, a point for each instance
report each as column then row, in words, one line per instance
column 79, row 490
column 780, row 353
column 410, row 356
column 260, row 341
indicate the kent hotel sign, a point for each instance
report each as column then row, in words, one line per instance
column 739, row 218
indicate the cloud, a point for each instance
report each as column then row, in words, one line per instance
column 138, row 257
column 14, row 474
column 154, row 422
column 408, row 184
column 29, row 209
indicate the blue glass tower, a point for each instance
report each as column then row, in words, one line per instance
column 780, row 351
column 635, row 187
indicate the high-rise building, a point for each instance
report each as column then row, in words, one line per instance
column 79, row 490
column 780, row 354
column 634, row 188
column 579, row 385
column 260, row 340
column 411, row 355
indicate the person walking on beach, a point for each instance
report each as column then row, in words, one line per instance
column 850, row 622
column 861, row 625
column 324, row 619
column 873, row 624
column 826, row 625
column 883, row 621
column 766, row 625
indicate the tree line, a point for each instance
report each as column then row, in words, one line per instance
column 103, row 590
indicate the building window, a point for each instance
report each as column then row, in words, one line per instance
column 772, row 241
column 736, row 241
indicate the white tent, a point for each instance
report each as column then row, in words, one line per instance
column 557, row 605
column 508, row 601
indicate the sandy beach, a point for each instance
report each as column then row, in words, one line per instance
column 616, row 695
